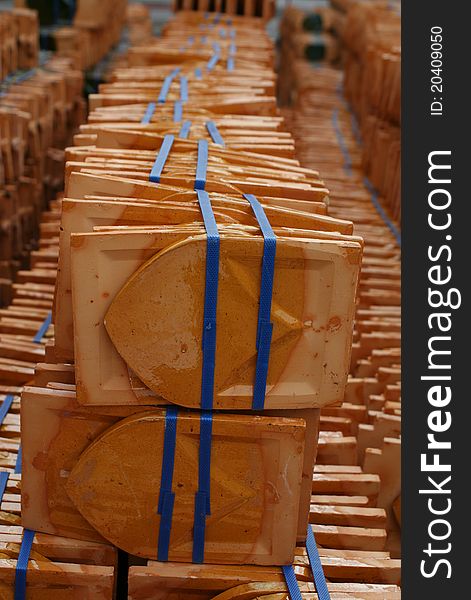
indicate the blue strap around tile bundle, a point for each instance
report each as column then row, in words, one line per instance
column 167, row 496
column 183, row 89
column 201, row 165
column 212, row 62
column 25, row 548
column 291, row 582
column 214, row 133
column 232, row 48
column 210, row 300
column 203, row 494
column 22, row 564
column 177, row 111
column 43, row 329
column 166, row 86
column 316, row 566
column 19, row 457
column 185, row 130
column 28, row 534
column 4, row 475
column 198, row 73
column 347, row 166
column 380, row 210
column 165, row 89
column 161, row 159
column 5, row 407
column 265, row 326
column 148, row 114
column 230, row 63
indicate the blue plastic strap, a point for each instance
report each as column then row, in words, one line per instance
column 4, row 475
column 232, row 48
column 191, row 40
column 165, row 89
column 43, row 329
column 222, row 33
column 167, row 496
column 316, row 566
column 185, row 130
column 230, row 64
column 166, row 86
column 198, row 73
column 380, row 210
column 5, row 407
column 177, row 112
column 214, row 133
column 18, row 461
column 183, row 89
column 22, row 564
column 161, row 159
column 149, row 113
column 216, row 47
column 212, row 62
column 201, row 165
column 232, row 33
column 347, row 166
column 202, row 497
column 291, row 582
column 204, row 39
column 210, row 301
column 265, row 327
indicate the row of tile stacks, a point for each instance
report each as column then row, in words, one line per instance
column 139, row 23
column 19, row 40
column 372, row 41
column 59, row 567
column 327, row 136
column 97, row 419
column 249, row 8
column 40, row 108
column 96, row 28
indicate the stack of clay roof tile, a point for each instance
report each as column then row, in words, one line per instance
column 372, row 41
column 19, row 40
column 192, row 116
column 327, row 135
column 249, row 8
column 96, row 28
column 40, row 110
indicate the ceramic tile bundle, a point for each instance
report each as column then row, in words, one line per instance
column 96, row 28
column 248, row 8
column 40, row 110
column 328, row 136
column 19, row 40
column 372, row 41
column 195, row 273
